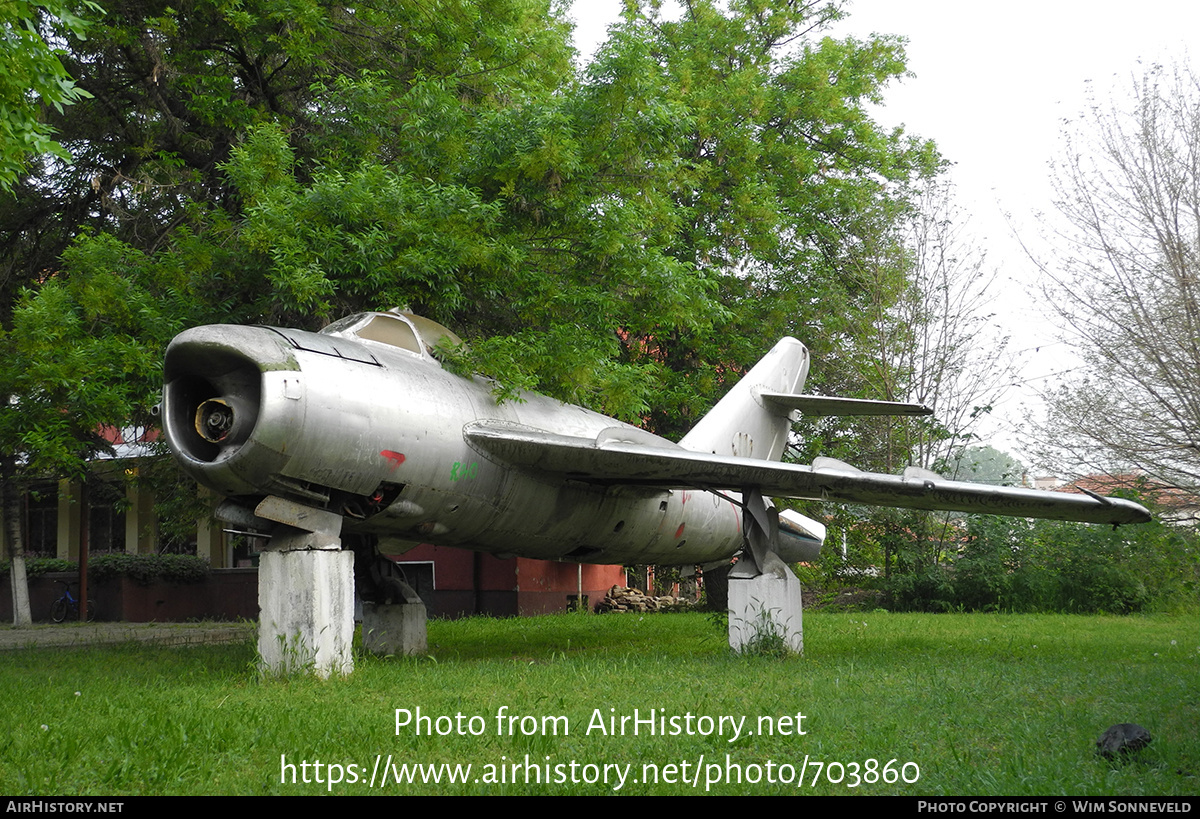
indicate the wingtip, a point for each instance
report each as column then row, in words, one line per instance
column 1131, row 512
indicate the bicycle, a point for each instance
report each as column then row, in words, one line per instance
column 68, row 604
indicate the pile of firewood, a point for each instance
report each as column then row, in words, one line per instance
column 619, row 599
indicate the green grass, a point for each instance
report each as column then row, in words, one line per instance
column 982, row 704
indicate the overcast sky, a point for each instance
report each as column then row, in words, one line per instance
column 992, row 86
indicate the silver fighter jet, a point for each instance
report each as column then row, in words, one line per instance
column 362, row 422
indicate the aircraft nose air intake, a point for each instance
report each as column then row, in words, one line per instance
column 213, row 396
column 210, row 411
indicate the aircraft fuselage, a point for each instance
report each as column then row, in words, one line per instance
column 376, row 432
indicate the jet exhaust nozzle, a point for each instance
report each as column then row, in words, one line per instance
column 800, row 537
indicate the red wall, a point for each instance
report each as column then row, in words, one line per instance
column 506, row 587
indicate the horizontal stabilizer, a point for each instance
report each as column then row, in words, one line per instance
column 821, row 405
column 587, row 460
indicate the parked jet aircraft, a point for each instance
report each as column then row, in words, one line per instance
column 361, row 421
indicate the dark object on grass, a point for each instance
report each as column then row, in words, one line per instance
column 1123, row 739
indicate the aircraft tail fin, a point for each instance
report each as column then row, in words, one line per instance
column 753, row 419
column 743, row 423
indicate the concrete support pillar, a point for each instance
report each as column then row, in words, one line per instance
column 395, row 628
column 306, row 602
column 765, row 611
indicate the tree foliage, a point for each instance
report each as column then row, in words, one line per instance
column 82, row 352
column 175, row 87
column 776, row 185
column 629, row 238
column 32, row 78
column 986, row 464
column 1125, row 284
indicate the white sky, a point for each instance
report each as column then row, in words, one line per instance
column 993, row 85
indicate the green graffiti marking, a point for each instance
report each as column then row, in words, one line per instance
column 464, row 471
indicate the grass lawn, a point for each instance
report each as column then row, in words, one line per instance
column 962, row 704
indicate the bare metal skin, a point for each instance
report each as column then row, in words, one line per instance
column 361, row 421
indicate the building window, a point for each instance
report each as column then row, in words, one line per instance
column 41, row 520
column 106, row 517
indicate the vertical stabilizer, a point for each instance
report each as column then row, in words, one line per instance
column 742, row 423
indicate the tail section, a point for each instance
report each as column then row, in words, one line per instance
column 753, row 421
column 743, row 423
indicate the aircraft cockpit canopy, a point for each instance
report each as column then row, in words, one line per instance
column 398, row 328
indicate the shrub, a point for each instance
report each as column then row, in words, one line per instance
column 929, row 589
column 35, row 566
column 1011, row 564
column 145, row 569
column 983, row 573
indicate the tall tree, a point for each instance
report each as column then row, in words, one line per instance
column 743, row 137
column 82, row 352
column 927, row 338
column 649, row 231
column 934, row 341
column 624, row 241
column 1125, row 284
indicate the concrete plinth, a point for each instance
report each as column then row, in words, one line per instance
column 306, row 602
column 395, row 628
column 765, row 611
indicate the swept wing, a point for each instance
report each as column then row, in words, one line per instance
column 615, row 457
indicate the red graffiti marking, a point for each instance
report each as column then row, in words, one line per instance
column 679, row 531
column 396, row 458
